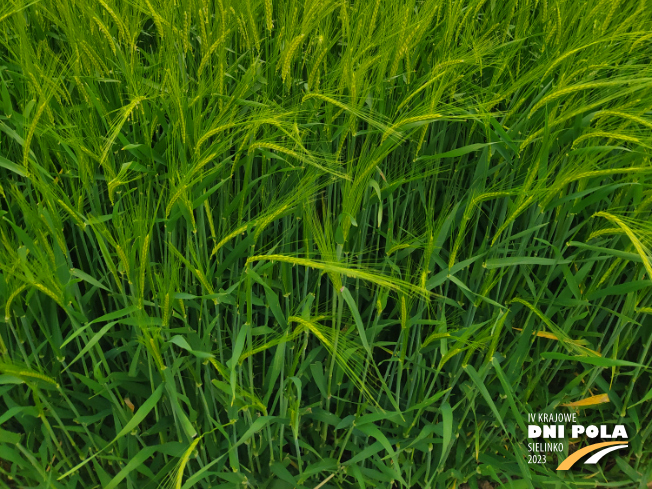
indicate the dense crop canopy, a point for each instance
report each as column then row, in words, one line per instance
column 322, row 243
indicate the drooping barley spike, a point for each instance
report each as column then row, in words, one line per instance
column 605, row 134
column 3, row 347
column 35, row 85
column 460, row 235
column 613, row 6
column 263, row 223
column 166, row 310
column 559, row 25
column 603, row 232
column 178, row 479
column 344, row 16
column 640, row 40
column 551, row 28
column 112, row 186
column 82, row 89
column 491, row 195
column 315, row 68
column 439, row 71
column 30, row 134
column 182, row 306
column 422, row 138
column 95, row 59
column 103, row 29
column 126, row 113
column 158, row 21
column 560, row 120
column 209, row 216
column 526, row 203
column 196, row 168
column 20, row 371
column 186, row 31
column 623, row 115
column 351, row 80
column 156, row 354
column 227, row 238
column 175, row 197
column 617, row 262
column 108, row 259
column 48, row 249
column 212, row 132
column 392, row 130
column 268, row 15
column 374, row 15
column 73, row 214
column 10, row 300
column 275, row 147
column 425, row 128
column 252, row 25
column 186, row 201
column 220, row 82
column 209, row 52
column 54, row 296
column 408, row 66
column 115, row 18
column 643, row 252
column 401, row 43
column 243, row 28
column 573, row 177
column 642, row 208
column 222, row 16
column 143, row 269
column 125, row 261
column 202, row 279
column 464, row 22
column 572, row 89
column 310, row 8
column 294, row 45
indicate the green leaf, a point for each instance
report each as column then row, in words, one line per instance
column 522, row 260
column 485, row 393
column 597, row 361
column 134, row 462
column 620, row 289
column 181, row 342
column 139, row 416
column 456, row 152
column 356, row 316
column 91, row 343
column 5, row 163
column 447, row 420
column 86, row 277
column 509, row 392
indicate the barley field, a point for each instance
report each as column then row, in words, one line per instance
column 323, row 243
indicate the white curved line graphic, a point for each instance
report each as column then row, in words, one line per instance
column 595, row 458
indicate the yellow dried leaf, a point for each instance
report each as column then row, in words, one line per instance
column 130, row 404
column 589, row 401
column 542, row 334
column 550, row 336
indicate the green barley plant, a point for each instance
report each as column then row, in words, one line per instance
column 322, row 244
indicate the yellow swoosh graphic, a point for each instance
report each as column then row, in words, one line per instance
column 570, row 461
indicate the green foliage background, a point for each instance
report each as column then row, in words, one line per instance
column 322, row 243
